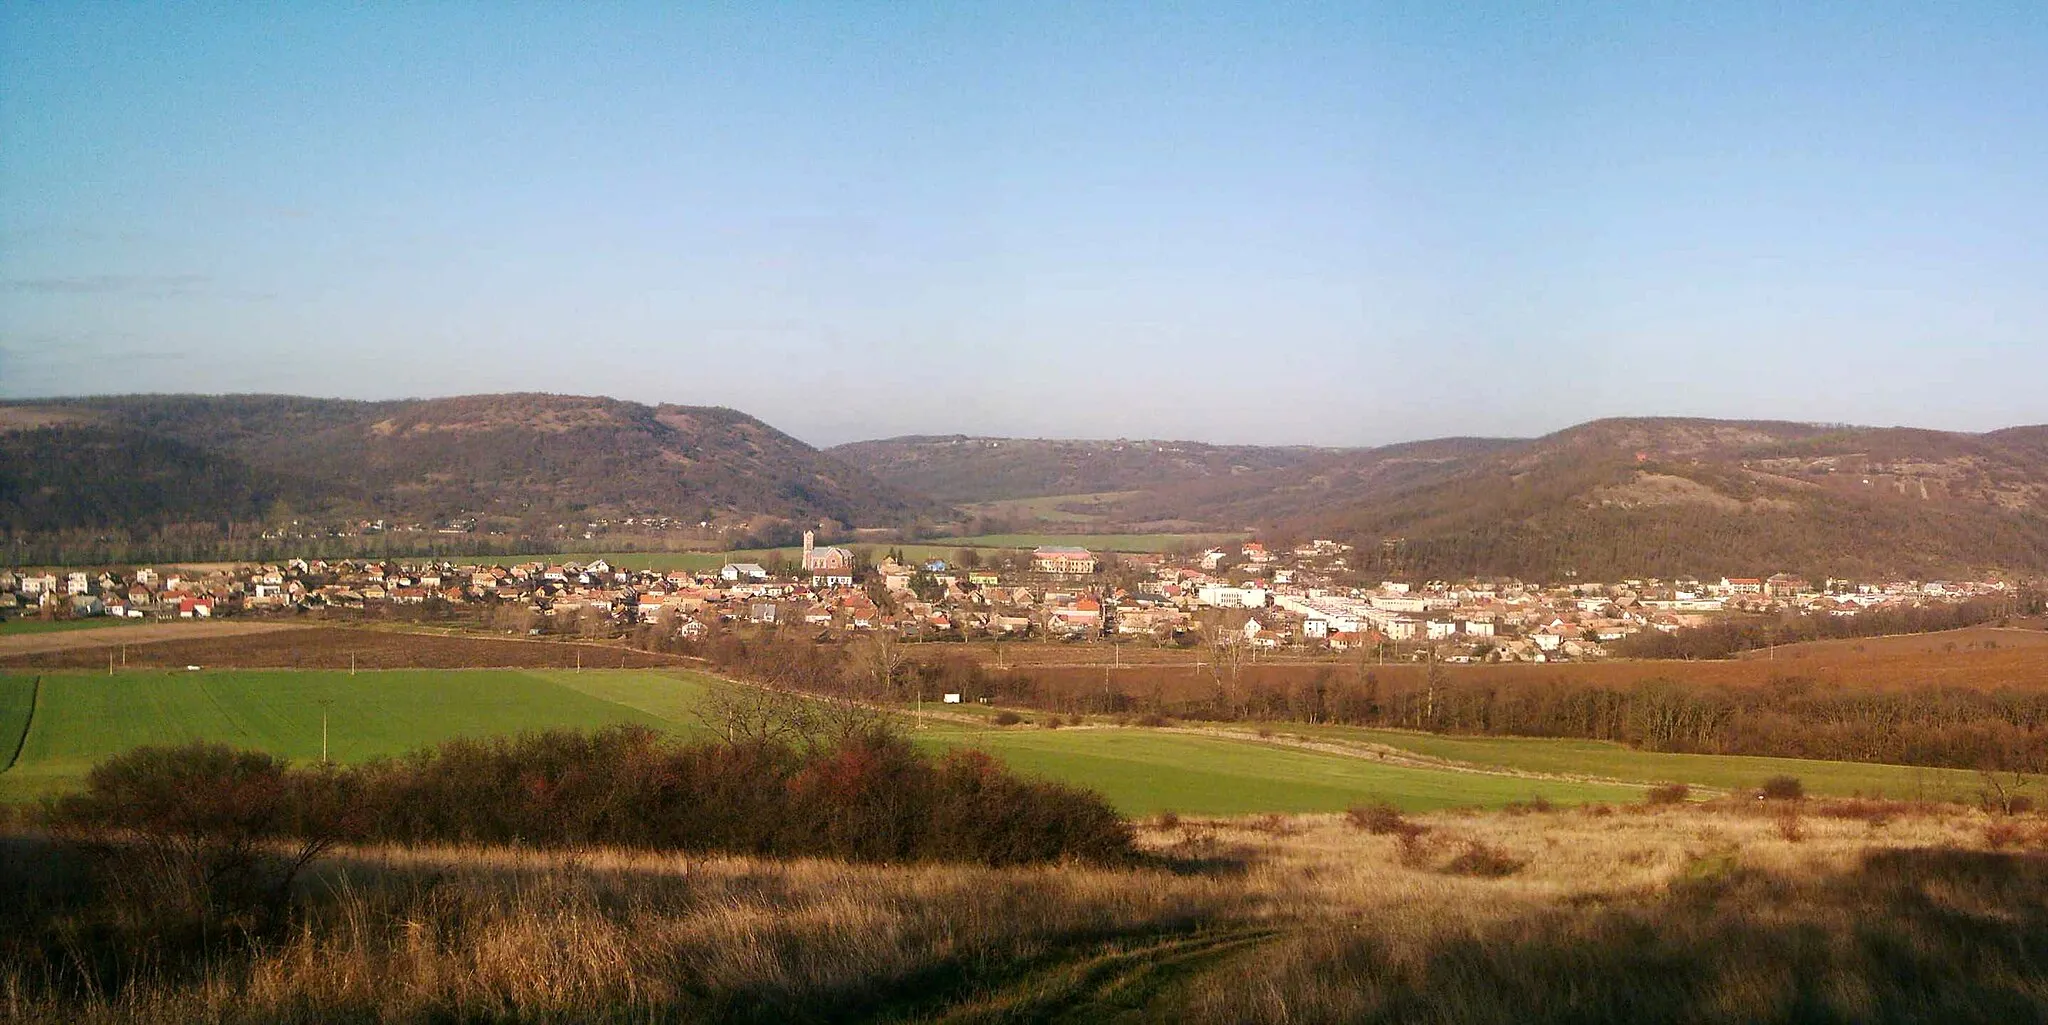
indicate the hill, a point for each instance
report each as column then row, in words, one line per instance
column 1611, row 498
column 1663, row 496
column 514, row 463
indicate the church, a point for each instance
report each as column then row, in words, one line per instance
column 828, row 566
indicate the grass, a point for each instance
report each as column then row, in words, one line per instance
column 83, row 718
column 1046, row 508
column 17, row 704
column 47, row 626
column 1143, row 772
column 1141, row 543
column 1704, row 914
column 1608, row 760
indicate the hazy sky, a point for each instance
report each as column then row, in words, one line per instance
column 1331, row 224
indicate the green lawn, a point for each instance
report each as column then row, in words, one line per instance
column 1615, row 761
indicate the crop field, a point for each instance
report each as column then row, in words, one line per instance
column 1607, row 760
column 1139, row 543
column 12, row 627
column 282, row 646
column 1046, row 508
column 1978, row 658
column 83, row 717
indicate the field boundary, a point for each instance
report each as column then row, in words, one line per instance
column 35, row 700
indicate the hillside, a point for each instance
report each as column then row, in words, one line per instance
column 962, row 469
column 1611, row 498
column 518, row 463
column 1667, row 496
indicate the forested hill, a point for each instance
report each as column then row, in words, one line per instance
column 1618, row 498
column 1607, row 499
column 521, row 462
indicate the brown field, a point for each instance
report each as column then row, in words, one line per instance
column 284, row 646
column 1977, row 657
column 1723, row 913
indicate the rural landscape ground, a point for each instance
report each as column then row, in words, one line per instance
column 1292, row 872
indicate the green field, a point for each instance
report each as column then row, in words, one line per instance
column 81, row 718
column 46, row 626
column 1141, row 543
column 1606, row 760
column 85, row 717
column 1147, row 771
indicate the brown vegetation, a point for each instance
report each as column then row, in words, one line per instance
column 1701, row 912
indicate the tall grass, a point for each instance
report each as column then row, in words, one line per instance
column 1690, row 912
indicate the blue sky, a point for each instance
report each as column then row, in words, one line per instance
column 1329, row 224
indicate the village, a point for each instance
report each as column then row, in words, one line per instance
column 1245, row 595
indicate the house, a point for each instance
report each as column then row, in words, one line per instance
column 1084, row 616
column 1063, row 559
column 984, row 577
column 733, row 572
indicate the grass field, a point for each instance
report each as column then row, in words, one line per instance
column 1146, row 771
column 1602, row 759
column 1046, row 508
column 83, row 717
column 1098, row 542
column 47, row 626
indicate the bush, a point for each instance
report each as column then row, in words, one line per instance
column 1483, row 860
column 867, row 797
column 1380, row 819
column 1008, row 718
column 1538, row 805
column 1782, row 788
column 1667, row 793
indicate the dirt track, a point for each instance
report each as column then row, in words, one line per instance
column 112, row 636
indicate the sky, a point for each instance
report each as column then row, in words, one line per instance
column 1301, row 223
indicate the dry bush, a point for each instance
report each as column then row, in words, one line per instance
column 1007, row 718
column 1790, row 828
column 1483, row 860
column 1538, row 805
column 1381, row 819
column 1782, row 788
column 1667, row 793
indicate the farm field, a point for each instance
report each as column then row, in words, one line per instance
column 1607, row 760
column 1139, row 543
column 1046, row 508
column 83, row 717
column 18, row 627
column 269, row 644
column 1145, row 771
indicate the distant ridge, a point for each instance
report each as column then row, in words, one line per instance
column 521, row 460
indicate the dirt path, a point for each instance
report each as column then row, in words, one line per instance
column 113, row 636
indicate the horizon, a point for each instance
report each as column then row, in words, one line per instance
column 938, row 435
column 1321, row 226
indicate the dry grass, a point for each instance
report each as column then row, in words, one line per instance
column 1303, row 918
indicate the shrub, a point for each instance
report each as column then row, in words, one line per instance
column 1790, row 828
column 1782, row 788
column 1667, row 793
column 1008, row 718
column 1167, row 820
column 1152, row 719
column 867, row 797
column 1538, row 805
column 1483, row 860
column 1380, row 819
